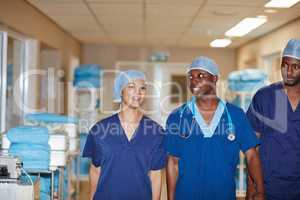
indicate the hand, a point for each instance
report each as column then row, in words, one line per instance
column 258, row 196
column 251, row 191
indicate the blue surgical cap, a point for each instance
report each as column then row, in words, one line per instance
column 206, row 64
column 292, row 49
column 122, row 81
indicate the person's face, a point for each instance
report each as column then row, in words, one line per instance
column 201, row 82
column 290, row 71
column 133, row 94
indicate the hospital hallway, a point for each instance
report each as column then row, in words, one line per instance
column 59, row 66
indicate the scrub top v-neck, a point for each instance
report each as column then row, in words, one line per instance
column 271, row 114
column 124, row 163
column 129, row 140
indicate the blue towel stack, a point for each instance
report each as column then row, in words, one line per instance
column 30, row 144
column 51, row 118
column 87, row 76
column 246, row 80
column 159, row 56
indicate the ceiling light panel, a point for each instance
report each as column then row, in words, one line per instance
column 245, row 26
column 281, row 3
column 220, row 43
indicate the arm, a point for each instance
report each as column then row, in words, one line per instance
column 172, row 175
column 255, row 175
column 250, row 184
column 94, row 176
column 250, row 188
column 156, row 182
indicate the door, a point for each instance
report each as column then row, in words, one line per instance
column 3, row 61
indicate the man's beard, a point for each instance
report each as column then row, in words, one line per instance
column 292, row 83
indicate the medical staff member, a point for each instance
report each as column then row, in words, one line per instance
column 203, row 140
column 126, row 148
column 275, row 115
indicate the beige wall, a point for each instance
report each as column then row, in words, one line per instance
column 252, row 53
column 20, row 16
column 108, row 55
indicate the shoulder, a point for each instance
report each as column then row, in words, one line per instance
column 147, row 120
column 267, row 90
column 235, row 109
column 104, row 124
column 153, row 126
column 176, row 112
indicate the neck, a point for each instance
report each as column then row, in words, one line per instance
column 293, row 90
column 207, row 102
column 130, row 114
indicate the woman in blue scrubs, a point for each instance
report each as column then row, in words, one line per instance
column 203, row 140
column 126, row 148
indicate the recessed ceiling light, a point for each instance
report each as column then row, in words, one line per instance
column 281, row 3
column 245, row 26
column 220, row 43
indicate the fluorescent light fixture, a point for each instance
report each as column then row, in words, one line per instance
column 220, row 43
column 281, row 3
column 245, row 26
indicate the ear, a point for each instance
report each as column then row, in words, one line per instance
column 215, row 78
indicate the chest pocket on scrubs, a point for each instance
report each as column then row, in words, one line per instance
column 230, row 150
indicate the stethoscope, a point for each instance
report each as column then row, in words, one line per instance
column 230, row 131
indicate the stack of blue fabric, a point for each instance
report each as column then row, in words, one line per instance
column 30, row 144
column 246, row 80
column 87, row 76
column 159, row 56
column 51, row 118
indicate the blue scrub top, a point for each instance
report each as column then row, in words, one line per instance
column 125, row 164
column 207, row 165
column 271, row 114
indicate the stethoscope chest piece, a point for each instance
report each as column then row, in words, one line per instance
column 231, row 137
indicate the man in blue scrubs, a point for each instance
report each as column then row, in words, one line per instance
column 275, row 116
column 203, row 140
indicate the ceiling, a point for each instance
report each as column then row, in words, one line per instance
column 176, row 23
